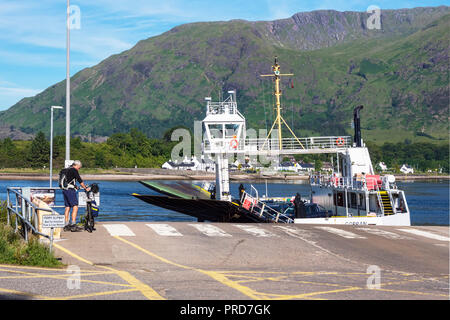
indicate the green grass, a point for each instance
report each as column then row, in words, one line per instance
column 15, row 250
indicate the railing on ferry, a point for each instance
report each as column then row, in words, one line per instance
column 362, row 183
column 358, row 183
column 258, row 144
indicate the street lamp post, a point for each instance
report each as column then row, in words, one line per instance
column 68, row 85
column 51, row 141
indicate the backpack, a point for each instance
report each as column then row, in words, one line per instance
column 63, row 183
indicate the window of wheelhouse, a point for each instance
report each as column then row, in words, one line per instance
column 362, row 201
column 216, row 131
column 339, row 199
column 231, row 130
column 353, row 200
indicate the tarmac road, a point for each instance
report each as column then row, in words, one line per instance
column 196, row 261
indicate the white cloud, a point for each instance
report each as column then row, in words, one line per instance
column 14, row 92
column 10, row 95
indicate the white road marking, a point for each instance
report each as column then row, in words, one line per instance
column 119, row 230
column 385, row 234
column 210, row 230
column 164, row 230
column 342, row 233
column 294, row 232
column 253, row 230
column 425, row 234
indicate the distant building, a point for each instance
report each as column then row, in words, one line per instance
column 306, row 167
column 169, row 165
column 327, row 166
column 191, row 165
column 287, row 166
column 406, row 169
column 383, row 166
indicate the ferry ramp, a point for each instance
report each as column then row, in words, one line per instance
column 228, row 261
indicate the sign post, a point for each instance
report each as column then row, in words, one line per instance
column 53, row 221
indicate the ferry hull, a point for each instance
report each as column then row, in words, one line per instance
column 202, row 209
column 395, row 220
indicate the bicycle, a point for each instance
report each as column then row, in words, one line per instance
column 91, row 208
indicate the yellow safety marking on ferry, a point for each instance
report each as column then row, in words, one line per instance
column 147, row 291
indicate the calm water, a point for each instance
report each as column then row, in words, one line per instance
column 427, row 200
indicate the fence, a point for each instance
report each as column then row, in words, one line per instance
column 25, row 213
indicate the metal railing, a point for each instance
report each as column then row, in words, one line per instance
column 257, row 144
column 263, row 211
column 363, row 183
column 25, row 213
column 300, row 143
column 226, row 107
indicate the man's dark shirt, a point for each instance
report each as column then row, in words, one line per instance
column 73, row 176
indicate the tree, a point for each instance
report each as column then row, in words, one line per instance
column 39, row 152
column 318, row 165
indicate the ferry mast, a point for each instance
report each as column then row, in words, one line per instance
column 278, row 93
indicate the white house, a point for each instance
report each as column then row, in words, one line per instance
column 169, row 165
column 191, row 165
column 406, row 169
column 327, row 166
column 287, row 166
column 383, row 166
column 306, row 167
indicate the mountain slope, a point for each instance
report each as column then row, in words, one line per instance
column 399, row 74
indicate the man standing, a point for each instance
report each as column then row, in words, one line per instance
column 70, row 195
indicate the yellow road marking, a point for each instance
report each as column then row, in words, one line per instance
column 153, row 255
column 215, row 275
column 93, row 294
column 70, row 253
column 63, row 277
column 304, row 295
column 22, row 293
column 147, row 291
column 223, row 277
column 232, row 284
column 414, row 292
column 30, row 267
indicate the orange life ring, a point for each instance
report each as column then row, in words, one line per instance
column 340, row 142
column 234, row 143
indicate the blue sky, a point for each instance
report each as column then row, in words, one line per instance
column 33, row 39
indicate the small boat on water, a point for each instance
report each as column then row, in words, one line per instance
column 352, row 194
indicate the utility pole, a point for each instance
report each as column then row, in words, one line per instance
column 68, row 87
column 51, row 141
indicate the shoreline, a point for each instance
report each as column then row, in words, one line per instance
column 191, row 176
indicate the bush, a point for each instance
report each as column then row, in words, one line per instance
column 15, row 250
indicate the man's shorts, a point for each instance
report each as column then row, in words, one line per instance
column 70, row 198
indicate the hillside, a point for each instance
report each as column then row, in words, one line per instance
column 399, row 73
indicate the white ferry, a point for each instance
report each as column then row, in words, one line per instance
column 353, row 194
